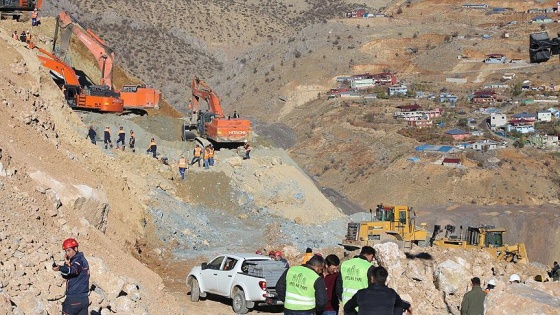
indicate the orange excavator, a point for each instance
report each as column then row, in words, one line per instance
column 212, row 124
column 134, row 96
column 15, row 7
column 94, row 97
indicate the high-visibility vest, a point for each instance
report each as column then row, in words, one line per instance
column 300, row 290
column 27, row 36
column 306, row 258
column 210, row 152
column 207, row 154
column 182, row 163
column 354, row 277
column 15, row 36
column 121, row 132
column 152, row 143
column 34, row 15
column 197, row 151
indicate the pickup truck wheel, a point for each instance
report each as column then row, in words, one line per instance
column 195, row 291
column 239, row 303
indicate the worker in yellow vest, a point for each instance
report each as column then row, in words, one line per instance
column 35, row 18
column 197, row 152
column 307, row 256
column 355, row 274
column 182, row 166
column 152, row 148
column 302, row 289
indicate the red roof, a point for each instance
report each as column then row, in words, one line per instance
column 453, row 161
column 484, row 93
column 495, row 55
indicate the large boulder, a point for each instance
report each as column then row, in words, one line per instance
column 524, row 299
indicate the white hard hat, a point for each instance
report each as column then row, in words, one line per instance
column 492, row 282
column 514, row 277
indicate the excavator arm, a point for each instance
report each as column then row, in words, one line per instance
column 105, row 56
column 200, row 89
column 56, row 65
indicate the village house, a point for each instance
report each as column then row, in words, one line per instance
column 521, row 125
column 497, row 85
column 359, row 13
column 398, row 90
column 544, row 115
column 485, row 145
column 385, row 78
column 486, row 96
column 451, row 162
column 350, row 94
column 555, row 112
column 541, row 19
column 495, row 58
column 420, row 124
column 497, row 120
column 458, row 134
column 475, row 6
column 362, row 84
column 525, row 115
column 448, row 98
column 545, row 141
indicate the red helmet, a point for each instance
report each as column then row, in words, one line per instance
column 271, row 253
column 69, row 243
column 278, row 253
column 258, row 252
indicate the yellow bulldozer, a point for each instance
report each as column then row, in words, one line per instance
column 484, row 237
column 388, row 224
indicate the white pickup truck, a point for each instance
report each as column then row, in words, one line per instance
column 248, row 279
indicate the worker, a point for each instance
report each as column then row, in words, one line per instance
column 211, row 155
column 206, row 157
column 514, row 278
column 15, row 35
column 27, row 37
column 554, row 273
column 355, row 274
column 76, row 272
column 182, row 166
column 22, row 36
column 120, row 140
column 132, row 141
column 107, row 137
column 332, row 265
column 377, row 298
column 197, row 152
column 473, row 301
column 272, row 254
column 152, row 148
column 91, row 134
column 35, row 18
column 235, row 114
column 248, row 149
column 307, row 256
column 278, row 257
column 302, row 289
column 490, row 285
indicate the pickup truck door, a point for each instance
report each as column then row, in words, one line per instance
column 226, row 274
column 210, row 274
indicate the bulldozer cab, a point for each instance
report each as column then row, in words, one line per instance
column 485, row 237
column 389, row 223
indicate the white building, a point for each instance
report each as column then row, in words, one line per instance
column 363, row 84
column 544, row 115
column 497, row 120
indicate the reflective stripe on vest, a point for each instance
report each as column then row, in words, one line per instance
column 300, row 290
column 182, row 163
column 354, row 277
column 211, row 153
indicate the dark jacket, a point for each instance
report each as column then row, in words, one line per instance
column 319, row 286
column 92, row 134
column 473, row 302
column 77, row 276
column 376, row 299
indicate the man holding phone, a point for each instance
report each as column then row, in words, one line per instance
column 76, row 272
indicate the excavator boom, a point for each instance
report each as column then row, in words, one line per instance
column 97, row 98
column 212, row 123
column 134, row 96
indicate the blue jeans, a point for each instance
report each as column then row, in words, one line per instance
column 211, row 161
column 329, row 313
column 182, row 171
column 206, row 165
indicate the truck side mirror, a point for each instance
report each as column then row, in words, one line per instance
column 204, row 266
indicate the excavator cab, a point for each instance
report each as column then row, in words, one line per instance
column 70, row 93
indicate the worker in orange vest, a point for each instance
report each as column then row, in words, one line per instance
column 34, row 18
column 107, row 137
column 182, row 166
column 152, row 148
column 197, row 152
column 210, row 155
column 206, row 157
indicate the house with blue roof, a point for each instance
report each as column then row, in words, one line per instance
column 458, row 134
